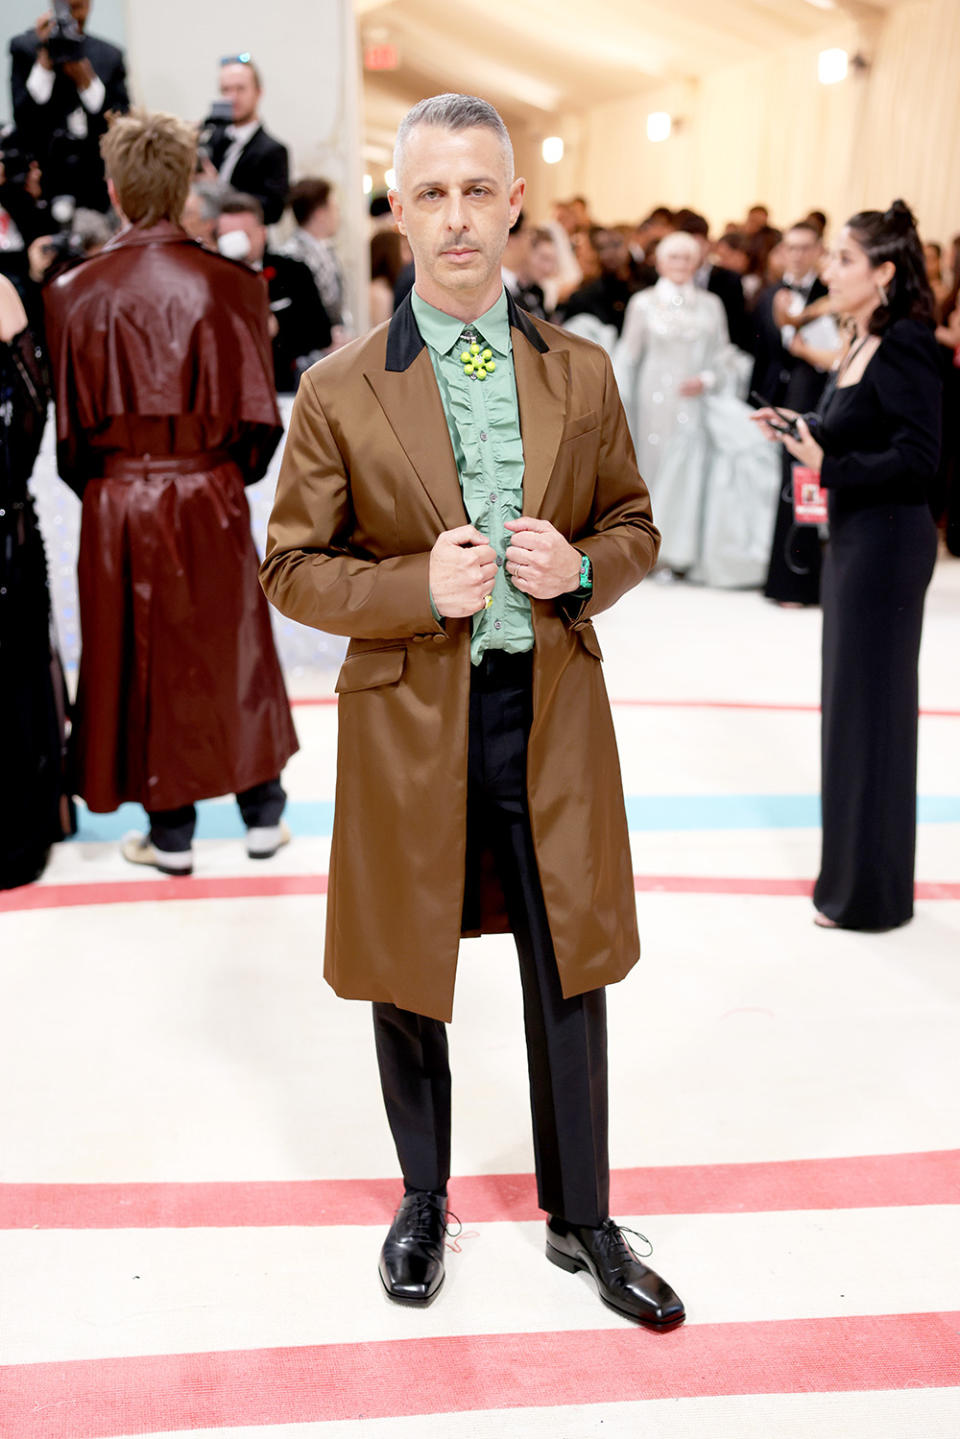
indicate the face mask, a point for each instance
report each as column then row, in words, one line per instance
column 235, row 244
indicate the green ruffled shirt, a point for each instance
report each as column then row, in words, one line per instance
column 483, row 417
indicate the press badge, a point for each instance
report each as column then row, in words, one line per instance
column 809, row 497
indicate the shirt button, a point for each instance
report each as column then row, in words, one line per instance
column 499, row 561
column 496, row 624
column 493, row 496
column 483, row 434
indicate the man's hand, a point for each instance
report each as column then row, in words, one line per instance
column 81, row 72
column 43, row 27
column 540, row 561
column 463, row 571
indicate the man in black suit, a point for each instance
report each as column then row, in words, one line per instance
column 63, row 87
column 242, row 154
column 620, row 277
column 299, row 325
column 725, row 284
column 784, row 379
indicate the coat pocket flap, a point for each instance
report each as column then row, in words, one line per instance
column 588, row 638
column 369, row 668
column 581, row 425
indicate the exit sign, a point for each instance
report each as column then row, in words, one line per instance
column 380, row 57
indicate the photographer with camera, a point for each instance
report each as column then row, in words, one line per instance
column 64, row 83
column 235, row 149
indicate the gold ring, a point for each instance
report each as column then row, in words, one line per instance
column 488, row 601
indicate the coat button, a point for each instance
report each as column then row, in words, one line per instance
column 419, row 639
column 439, row 639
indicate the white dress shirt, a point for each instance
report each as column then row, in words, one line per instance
column 239, row 137
column 40, row 84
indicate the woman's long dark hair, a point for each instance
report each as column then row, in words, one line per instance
column 892, row 235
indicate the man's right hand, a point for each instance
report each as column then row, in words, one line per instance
column 463, row 571
column 43, row 27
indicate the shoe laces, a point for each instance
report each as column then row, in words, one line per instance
column 425, row 1206
column 611, row 1241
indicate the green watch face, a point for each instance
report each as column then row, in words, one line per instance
column 586, row 573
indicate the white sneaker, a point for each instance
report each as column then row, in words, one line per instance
column 139, row 849
column 264, row 842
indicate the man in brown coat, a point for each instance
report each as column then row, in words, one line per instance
column 459, row 496
column 165, row 409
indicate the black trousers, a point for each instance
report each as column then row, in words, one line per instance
column 260, row 807
column 566, row 1038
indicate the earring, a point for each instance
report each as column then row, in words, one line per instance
column 882, row 295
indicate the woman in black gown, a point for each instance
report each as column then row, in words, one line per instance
column 36, row 811
column 875, row 440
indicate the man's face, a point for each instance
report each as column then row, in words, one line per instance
column 542, row 262
column 456, row 204
column 249, row 226
column 801, row 251
column 325, row 220
column 611, row 250
column 80, row 9
column 730, row 259
column 239, row 86
column 196, row 223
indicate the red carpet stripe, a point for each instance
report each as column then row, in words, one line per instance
column 779, row 708
column 101, row 1398
column 858, row 1182
column 67, row 896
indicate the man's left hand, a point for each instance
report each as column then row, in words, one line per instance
column 81, row 72
column 540, row 561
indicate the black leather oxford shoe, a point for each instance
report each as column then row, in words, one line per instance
column 623, row 1283
column 411, row 1260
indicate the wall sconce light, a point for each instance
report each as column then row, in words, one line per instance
column 390, row 179
column 368, row 184
column 832, row 66
column 552, row 150
column 659, row 126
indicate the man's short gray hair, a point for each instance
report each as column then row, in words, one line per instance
column 453, row 112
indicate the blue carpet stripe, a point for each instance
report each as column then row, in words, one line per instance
column 220, row 819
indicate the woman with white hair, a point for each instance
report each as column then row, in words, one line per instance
column 667, row 360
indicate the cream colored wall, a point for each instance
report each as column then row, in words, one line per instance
column 306, row 53
column 769, row 132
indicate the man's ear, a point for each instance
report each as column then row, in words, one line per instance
column 396, row 205
column 112, row 192
column 517, row 190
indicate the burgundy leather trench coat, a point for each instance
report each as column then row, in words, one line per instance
column 165, row 409
column 368, row 482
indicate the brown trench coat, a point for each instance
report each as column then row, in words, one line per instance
column 165, row 408
column 368, row 482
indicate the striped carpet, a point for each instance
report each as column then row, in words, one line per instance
column 195, row 1172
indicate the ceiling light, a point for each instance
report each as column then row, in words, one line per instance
column 659, row 125
column 832, row 66
column 552, row 150
column 390, row 179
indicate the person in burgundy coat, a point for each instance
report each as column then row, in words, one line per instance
column 165, row 410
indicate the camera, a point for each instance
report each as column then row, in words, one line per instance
column 221, row 115
column 15, row 159
column 65, row 41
